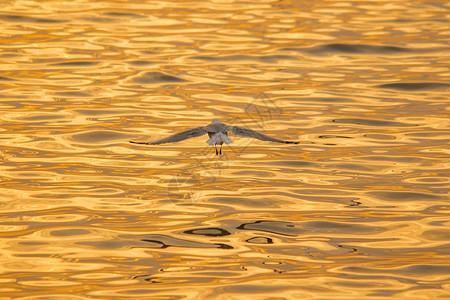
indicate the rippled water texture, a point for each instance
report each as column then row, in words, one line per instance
column 359, row 209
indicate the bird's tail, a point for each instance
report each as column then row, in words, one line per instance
column 218, row 139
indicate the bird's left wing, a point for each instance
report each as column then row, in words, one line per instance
column 257, row 135
column 181, row 136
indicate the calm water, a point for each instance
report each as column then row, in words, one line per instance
column 359, row 209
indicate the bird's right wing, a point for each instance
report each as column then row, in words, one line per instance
column 181, row 136
column 257, row 135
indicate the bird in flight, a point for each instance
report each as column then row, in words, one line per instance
column 218, row 134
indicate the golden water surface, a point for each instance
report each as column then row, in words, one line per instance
column 359, row 209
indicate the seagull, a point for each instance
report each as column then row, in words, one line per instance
column 218, row 134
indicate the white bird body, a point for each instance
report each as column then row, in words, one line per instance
column 218, row 138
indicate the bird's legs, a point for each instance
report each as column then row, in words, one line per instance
column 218, row 151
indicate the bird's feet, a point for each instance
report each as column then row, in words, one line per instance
column 218, row 151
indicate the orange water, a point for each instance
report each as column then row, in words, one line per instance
column 358, row 210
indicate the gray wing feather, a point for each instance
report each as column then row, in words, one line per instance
column 181, row 136
column 257, row 135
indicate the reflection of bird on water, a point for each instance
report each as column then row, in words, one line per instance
column 218, row 134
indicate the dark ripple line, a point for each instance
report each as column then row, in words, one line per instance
column 76, row 63
column 156, row 77
column 360, row 49
column 371, row 122
column 415, row 86
column 211, row 231
column 266, row 58
column 18, row 18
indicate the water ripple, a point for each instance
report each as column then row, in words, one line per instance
column 416, row 86
column 358, row 209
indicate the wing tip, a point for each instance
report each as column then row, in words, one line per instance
column 142, row 143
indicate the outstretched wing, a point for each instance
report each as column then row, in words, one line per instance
column 257, row 135
column 181, row 136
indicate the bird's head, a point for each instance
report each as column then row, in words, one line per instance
column 216, row 121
